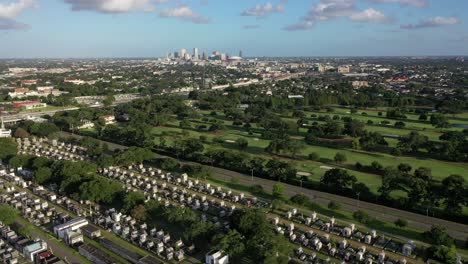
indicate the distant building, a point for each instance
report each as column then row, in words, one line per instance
column 4, row 133
column 357, row 84
column 29, row 104
column 85, row 124
column 216, row 257
column 29, row 82
column 183, row 53
column 22, row 70
column 109, row 119
column 343, row 69
column 195, row 53
column 74, row 81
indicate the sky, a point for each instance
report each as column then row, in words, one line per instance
column 151, row 28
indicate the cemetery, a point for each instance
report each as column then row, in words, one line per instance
column 212, row 203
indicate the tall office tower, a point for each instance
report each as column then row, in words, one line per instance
column 182, row 53
column 176, row 54
column 204, row 57
column 195, row 53
column 223, row 57
column 240, row 53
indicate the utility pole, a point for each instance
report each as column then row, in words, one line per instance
column 358, row 199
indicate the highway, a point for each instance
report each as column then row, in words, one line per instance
column 380, row 212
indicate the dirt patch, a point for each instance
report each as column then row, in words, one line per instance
column 218, row 133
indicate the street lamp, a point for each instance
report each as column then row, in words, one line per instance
column 252, row 174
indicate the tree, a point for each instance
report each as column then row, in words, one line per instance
column 372, row 140
column 340, row 157
column 439, row 120
column 405, row 168
column 338, row 180
column 314, row 156
column 200, row 232
column 262, row 244
column 19, row 161
column 42, row 175
column 21, row 133
column 362, row 217
column 100, row 190
column 444, row 254
column 454, row 191
column 354, row 128
column 232, row 243
column 390, row 181
column 401, row 223
column 8, row 148
column 279, row 170
column 132, row 200
column 278, row 191
column 300, row 199
column 400, row 124
column 180, row 215
column 412, row 142
column 423, row 117
column 8, row 215
column 139, row 213
column 438, row 236
column 108, row 101
column 242, row 143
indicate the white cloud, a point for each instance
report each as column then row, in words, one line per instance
column 324, row 10
column 328, row 9
column 370, row 16
column 113, row 6
column 184, row 12
column 332, row 9
column 263, row 10
column 12, row 10
column 414, row 3
column 433, row 22
column 9, row 11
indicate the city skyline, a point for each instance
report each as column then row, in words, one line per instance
column 145, row 28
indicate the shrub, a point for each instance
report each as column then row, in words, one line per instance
column 257, row 189
column 314, row 156
column 300, row 199
column 362, row 217
column 401, row 222
column 340, row 157
column 334, row 205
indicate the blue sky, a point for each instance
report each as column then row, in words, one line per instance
column 150, row 28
